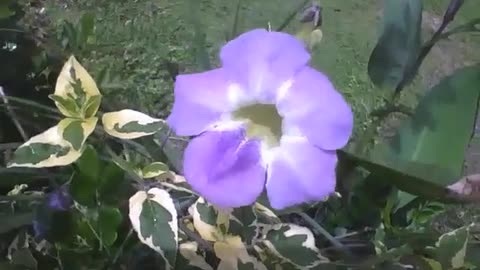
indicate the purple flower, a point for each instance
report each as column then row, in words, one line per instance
column 265, row 119
column 59, row 199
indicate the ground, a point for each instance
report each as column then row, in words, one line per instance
column 135, row 38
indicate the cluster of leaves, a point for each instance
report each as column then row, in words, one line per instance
column 388, row 187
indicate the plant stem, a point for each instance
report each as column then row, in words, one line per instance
column 323, row 232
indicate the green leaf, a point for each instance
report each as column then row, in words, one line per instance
column 451, row 248
column 114, row 185
column 440, row 130
column 154, row 169
column 83, row 186
column 109, row 219
column 399, row 44
column 294, row 244
column 130, row 124
column 154, row 218
column 416, row 178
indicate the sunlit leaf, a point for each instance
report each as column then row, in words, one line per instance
column 399, row 44
column 295, row 244
column 47, row 149
column 154, row 169
column 130, row 124
column 233, row 255
column 154, row 218
column 451, row 248
column 76, row 131
column 75, row 83
column 191, row 257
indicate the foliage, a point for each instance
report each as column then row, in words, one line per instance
column 114, row 175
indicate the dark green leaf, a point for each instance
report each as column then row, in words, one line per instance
column 399, row 44
column 440, row 130
column 109, row 219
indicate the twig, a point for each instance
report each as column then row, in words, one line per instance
column 323, row 232
column 13, row 116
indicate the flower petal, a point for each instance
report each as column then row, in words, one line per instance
column 261, row 61
column 300, row 172
column 320, row 112
column 225, row 168
column 200, row 99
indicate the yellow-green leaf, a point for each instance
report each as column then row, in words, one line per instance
column 294, row 244
column 154, row 218
column 76, row 131
column 191, row 257
column 154, row 169
column 233, row 255
column 47, row 149
column 130, row 124
column 76, row 84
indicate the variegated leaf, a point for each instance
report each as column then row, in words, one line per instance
column 75, row 84
column 210, row 222
column 243, row 222
column 191, row 258
column 48, row 149
column 233, row 255
column 76, row 131
column 265, row 215
column 451, row 248
column 130, row 124
column 154, row 218
column 155, row 169
column 294, row 244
